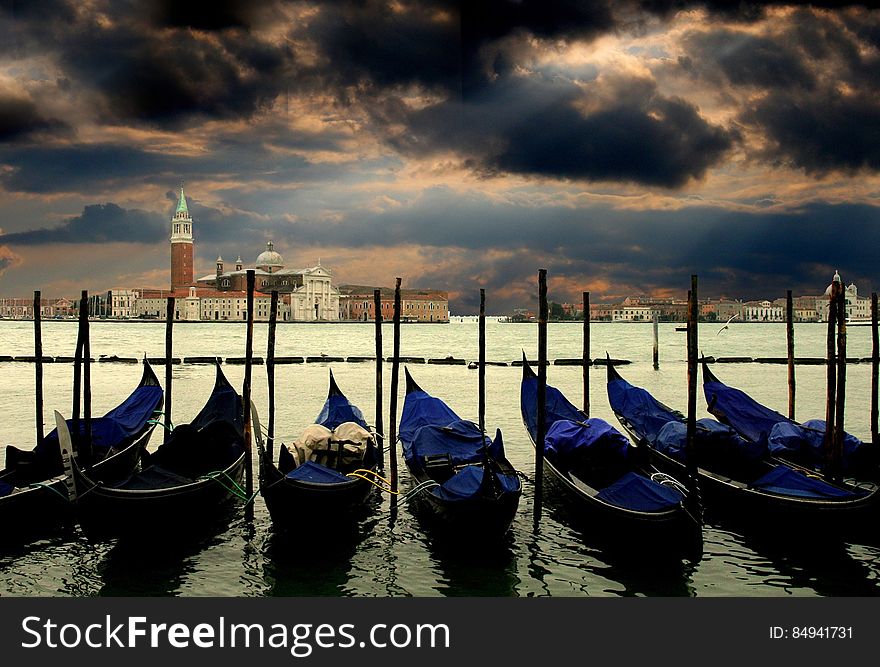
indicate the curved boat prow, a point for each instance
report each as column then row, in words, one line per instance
column 411, row 385
column 527, row 369
column 334, row 388
column 610, row 370
column 149, row 377
column 708, row 376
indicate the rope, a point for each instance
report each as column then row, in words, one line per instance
column 37, row 485
column 667, row 480
column 170, row 427
column 234, row 488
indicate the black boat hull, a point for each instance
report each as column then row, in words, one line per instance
column 45, row 507
column 483, row 517
column 104, row 511
column 733, row 500
column 296, row 505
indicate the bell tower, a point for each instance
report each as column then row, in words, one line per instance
column 181, row 246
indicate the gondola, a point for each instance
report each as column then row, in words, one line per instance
column 449, row 458
column 604, row 477
column 336, row 477
column 736, row 477
column 180, row 485
column 798, row 443
column 33, row 493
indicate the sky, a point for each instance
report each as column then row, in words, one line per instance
column 623, row 145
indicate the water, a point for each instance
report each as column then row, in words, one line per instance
column 392, row 556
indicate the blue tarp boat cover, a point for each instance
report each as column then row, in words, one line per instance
column 710, row 433
column 466, row 483
column 120, row 423
column 779, row 433
column 317, row 474
column 808, row 438
column 789, row 482
column 460, row 439
column 338, row 410
column 638, row 493
column 557, row 406
column 422, row 409
column 5, row 489
column 734, row 407
column 645, row 413
column 565, row 438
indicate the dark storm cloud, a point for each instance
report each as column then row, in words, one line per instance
column 537, row 126
column 205, row 14
column 749, row 60
column 89, row 167
column 819, row 111
column 372, row 42
column 98, row 223
column 20, row 118
column 822, row 132
column 150, row 78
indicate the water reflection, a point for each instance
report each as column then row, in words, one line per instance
column 153, row 564
column 474, row 568
column 813, row 561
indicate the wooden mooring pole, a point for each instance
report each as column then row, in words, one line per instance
column 38, row 365
column 586, row 354
column 270, row 375
column 541, row 425
column 481, row 407
column 77, row 372
column 246, row 397
column 692, row 354
column 85, row 451
column 169, row 339
column 875, row 365
column 656, row 321
column 789, row 337
column 395, row 373
column 380, row 387
column 830, row 377
column 837, row 450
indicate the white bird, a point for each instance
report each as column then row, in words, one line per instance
column 728, row 322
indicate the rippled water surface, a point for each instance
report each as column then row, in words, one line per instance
column 391, row 554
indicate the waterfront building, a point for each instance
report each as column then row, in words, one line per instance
column 15, row 308
column 417, row 305
column 309, row 293
column 121, row 303
column 762, row 311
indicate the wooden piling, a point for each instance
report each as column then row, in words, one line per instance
column 481, row 407
column 246, row 396
column 380, row 387
column 656, row 321
column 837, row 448
column 85, row 450
column 585, row 357
column 38, row 365
column 830, row 377
column 395, row 372
column 875, row 365
column 692, row 353
column 270, row 375
column 542, row 391
column 169, row 324
column 77, row 371
column 789, row 336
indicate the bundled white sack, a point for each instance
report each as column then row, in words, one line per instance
column 321, row 445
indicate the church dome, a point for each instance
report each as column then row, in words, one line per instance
column 269, row 259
